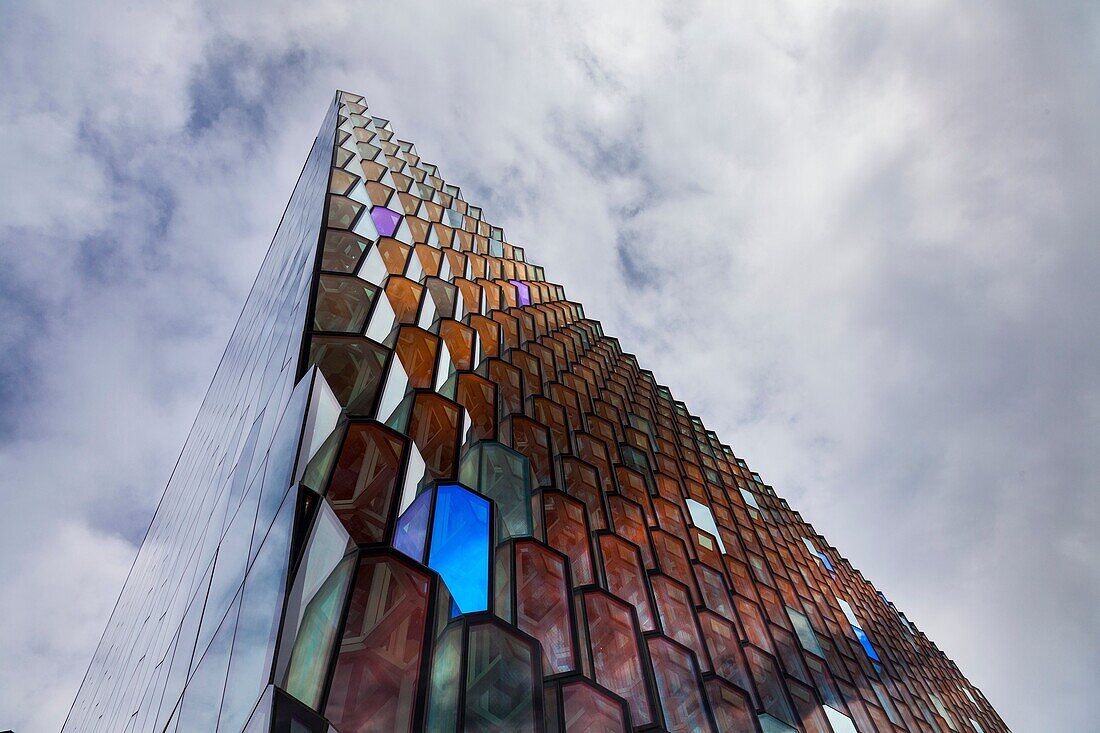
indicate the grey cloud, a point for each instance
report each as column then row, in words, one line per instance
column 859, row 243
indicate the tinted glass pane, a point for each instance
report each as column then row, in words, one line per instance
column 542, row 604
column 615, row 654
column 460, row 546
column 203, row 698
column 503, row 475
column 677, row 687
column 375, row 683
column 587, row 710
column 316, row 638
column 258, row 621
column 446, row 677
column 500, row 684
column 412, row 527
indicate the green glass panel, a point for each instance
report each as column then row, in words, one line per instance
column 317, row 635
column 319, row 468
column 500, row 685
column 805, row 631
column 503, row 475
column 446, row 673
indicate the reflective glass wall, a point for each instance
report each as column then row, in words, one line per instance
column 203, row 600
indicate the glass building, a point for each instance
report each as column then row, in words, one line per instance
column 425, row 492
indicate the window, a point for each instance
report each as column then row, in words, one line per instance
column 818, row 554
column 702, row 518
column 805, row 631
column 841, row 723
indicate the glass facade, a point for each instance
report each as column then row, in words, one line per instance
column 426, row 492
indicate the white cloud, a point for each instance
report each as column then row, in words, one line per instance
column 868, row 234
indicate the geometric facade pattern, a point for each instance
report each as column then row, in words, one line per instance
column 425, row 492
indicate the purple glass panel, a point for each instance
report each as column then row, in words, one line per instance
column 385, row 220
column 412, row 527
column 523, row 292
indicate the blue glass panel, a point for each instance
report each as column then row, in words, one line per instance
column 460, row 546
column 412, row 527
column 866, row 643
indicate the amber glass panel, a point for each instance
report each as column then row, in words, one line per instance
column 341, row 181
column 669, row 517
column 567, row 532
column 616, row 657
column 626, row 578
column 553, row 416
column 342, row 304
column 364, row 482
column 772, row 696
column 433, row 426
column 787, row 648
column 460, row 341
column 375, row 683
column 430, row 260
column 404, row 296
column 533, row 440
column 379, row 193
column 733, row 711
column 677, row 615
column 585, row 709
column 725, row 650
column 813, row 719
column 394, row 254
column 582, row 481
column 713, row 590
column 672, row 558
column 678, row 687
column 629, row 523
column 753, row 624
column 508, row 380
column 478, row 396
column 542, row 604
column 594, row 452
column 417, row 350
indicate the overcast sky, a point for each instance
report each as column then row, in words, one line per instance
column 859, row 240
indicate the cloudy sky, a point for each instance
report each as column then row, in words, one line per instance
column 861, row 243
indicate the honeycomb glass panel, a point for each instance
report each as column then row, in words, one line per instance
column 678, row 687
column 502, row 475
column 617, row 661
column 317, row 634
column 342, row 304
column 585, row 709
column 542, row 604
column 500, row 681
column 377, row 673
column 342, row 251
column 459, row 546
